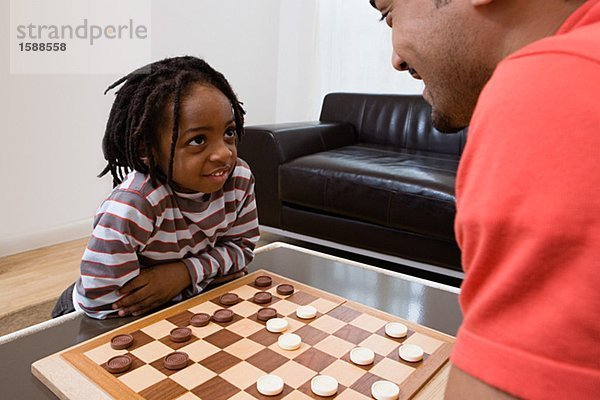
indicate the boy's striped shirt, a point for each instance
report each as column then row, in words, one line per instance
column 140, row 226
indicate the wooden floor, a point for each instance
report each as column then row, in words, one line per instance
column 41, row 275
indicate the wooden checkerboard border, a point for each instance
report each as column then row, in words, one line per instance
column 107, row 382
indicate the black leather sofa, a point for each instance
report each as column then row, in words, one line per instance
column 372, row 173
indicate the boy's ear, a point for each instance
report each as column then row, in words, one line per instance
column 143, row 156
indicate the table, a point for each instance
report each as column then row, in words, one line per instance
column 423, row 302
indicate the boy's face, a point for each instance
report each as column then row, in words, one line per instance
column 205, row 152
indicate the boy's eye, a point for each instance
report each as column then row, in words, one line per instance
column 198, row 141
column 230, row 132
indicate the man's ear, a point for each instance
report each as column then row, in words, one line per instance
column 480, row 2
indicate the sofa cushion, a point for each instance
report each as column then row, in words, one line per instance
column 404, row 189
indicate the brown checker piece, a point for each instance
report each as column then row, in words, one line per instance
column 220, row 371
column 177, row 345
column 135, row 363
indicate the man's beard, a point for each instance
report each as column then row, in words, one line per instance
column 443, row 123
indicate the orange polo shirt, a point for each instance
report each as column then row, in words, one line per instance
column 528, row 220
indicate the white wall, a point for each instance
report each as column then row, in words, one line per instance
column 354, row 52
column 295, row 71
column 281, row 57
column 333, row 46
column 52, row 125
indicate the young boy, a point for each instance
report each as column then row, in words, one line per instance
column 182, row 212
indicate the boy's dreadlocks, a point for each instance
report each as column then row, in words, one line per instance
column 131, row 128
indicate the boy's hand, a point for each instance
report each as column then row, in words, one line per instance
column 227, row 278
column 153, row 287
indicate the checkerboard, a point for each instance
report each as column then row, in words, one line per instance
column 226, row 359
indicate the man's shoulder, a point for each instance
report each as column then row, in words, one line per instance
column 578, row 37
column 559, row 69
column 582, row 44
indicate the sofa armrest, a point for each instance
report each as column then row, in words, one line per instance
column 265, row 147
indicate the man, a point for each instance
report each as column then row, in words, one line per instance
column 525, row 75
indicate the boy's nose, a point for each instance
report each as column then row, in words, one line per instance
column 221, row 152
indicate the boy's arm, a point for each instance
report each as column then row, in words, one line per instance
column 157, row 285
column 228, row 259
column 153, row 287
column 122, row 225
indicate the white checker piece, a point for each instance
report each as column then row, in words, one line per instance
column 277, row 325
column 289, row 353
column 324, row 385
column 289, row 341
column 396, row 329
column 362, row 356
column 385, row 390
column 306, row 312
column 410, row 352
column 269, row 385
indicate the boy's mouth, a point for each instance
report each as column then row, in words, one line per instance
column 219, row 172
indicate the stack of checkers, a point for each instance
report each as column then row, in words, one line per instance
column 268, row 339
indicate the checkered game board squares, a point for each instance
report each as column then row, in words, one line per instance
column 163, row 390
column 285, row 305
column 181, row 319
column 216, row 388
column 332, row 336
column 226, row 359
